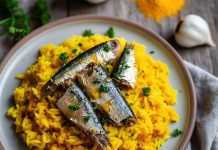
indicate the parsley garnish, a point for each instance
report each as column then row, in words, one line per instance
column 88, row 33
column 126, row 94
column 146, row 91
column 118, row 75
column 80, row 44
column 128, row 51
column 176, row 133
column 126, row 66
column 63, row 56
column 103, row 89
column 74, row 51
column 96, row 81
column 86, row 118
column 74, row 107
column 42, row 12
column 14, row 19
column 106, row 48
column 151, row 52
column 110, row 32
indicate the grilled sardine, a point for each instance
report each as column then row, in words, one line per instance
column 104, row 53
column 105, row 95
column 125, row 72
column 77, row 108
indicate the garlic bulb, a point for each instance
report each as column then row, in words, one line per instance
column 192, row 31
column 95, row 1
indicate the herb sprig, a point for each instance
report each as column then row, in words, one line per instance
column 42, row 12
column 86, row 118
column 64, row 57
column 110, row 32
column 96, row 81
column 176, row 133
column 104, row 89
column 88, row 33
column 15, row 21
column 106, row 48
column 74, row 107
column 146, row 91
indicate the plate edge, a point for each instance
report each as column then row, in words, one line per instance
column 171, row 50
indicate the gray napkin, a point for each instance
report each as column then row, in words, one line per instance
column 205, row 136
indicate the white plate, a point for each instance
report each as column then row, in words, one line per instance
column 25, row 53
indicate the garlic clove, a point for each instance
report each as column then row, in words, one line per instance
column 192, row 31
column 95, row 1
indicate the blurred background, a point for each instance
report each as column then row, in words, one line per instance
column 204, row 56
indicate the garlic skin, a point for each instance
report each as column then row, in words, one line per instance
column 192, row 31
column 95, row 1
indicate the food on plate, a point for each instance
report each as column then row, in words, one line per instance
column 125, row 72
column 42, row 125
column 105, row 95
column 77, row 108
column 104, row 53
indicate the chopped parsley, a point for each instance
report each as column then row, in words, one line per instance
column 123, row 65
column 126, row 94
column 110, row 32
column 126, row 66
column 42, row 14
column 146, row 91
column 74, row 107
column 63, row 56
column 104, row 89
column 128, row 51
column 96, row 81
column 117, row 75
column 88, row 33
column 86, row 118
column 151, row 52
column 103, row 119
column 74, row 51
column 80, row 44
column 106, row 48
column 176, row 133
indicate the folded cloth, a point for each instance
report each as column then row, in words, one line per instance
column 205, row 135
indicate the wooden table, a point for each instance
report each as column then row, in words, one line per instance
column 203, row 56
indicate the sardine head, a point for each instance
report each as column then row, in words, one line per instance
column 114, row 46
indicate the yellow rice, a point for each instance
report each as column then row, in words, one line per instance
column 42, row 126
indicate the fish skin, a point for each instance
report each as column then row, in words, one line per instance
column 93, row 128
column 111, row 103
column 125, row 72
column 80, row 62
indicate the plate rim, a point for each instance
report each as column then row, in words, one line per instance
column 193, row 103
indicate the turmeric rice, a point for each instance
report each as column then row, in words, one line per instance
column 42, row 125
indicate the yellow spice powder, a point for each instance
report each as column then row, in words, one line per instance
column 158, row 9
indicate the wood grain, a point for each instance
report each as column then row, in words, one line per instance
column 203, row 56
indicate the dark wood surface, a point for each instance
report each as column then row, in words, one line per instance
column 203, row 56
